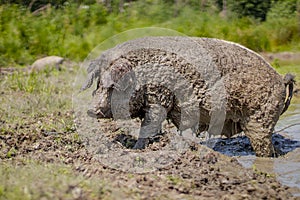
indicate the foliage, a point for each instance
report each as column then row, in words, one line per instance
column 283, row 9
column 74, row 28
column 252, row 8
column 55, row 181
column 35, row 4
column 25, row 36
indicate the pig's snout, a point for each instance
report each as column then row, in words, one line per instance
column 101, row 106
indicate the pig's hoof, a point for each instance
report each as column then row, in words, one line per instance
column 92, row 113
column 141, row 143
column 277, row 152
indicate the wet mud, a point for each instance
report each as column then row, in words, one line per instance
column 42, row 156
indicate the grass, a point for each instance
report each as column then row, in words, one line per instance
column 41, row 102
column 55, row 181
column 284, row 67
column 72, row 31
column 31, row 106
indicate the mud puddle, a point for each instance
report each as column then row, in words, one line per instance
column 286, row 167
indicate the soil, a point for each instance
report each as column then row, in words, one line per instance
column 43, row 156
column 282, row 56
column 195, row 175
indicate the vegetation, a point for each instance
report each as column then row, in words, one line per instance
column 32, row 29
column 42, row 156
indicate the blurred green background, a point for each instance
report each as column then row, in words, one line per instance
column 32, row 29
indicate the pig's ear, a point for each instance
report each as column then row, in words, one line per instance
column 107, row 80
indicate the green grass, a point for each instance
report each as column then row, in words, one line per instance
column 283, row 67
column 55, row 181
column 293, row 69
column 30, row 96
column 73, row 31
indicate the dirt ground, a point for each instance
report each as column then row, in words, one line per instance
column 43, row 156
column 282, row 56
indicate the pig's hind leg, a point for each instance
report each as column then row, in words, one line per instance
column 259, row 130
column 151, row 125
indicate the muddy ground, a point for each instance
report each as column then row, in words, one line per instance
column 44, row 157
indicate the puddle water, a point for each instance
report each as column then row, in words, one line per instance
column 287, row 167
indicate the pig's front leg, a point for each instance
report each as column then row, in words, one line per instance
column 155, row 114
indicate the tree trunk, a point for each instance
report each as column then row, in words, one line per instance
column 176, row 10
column 203, row 5
column 224, row 9
column 108, row 5
column 121, row 6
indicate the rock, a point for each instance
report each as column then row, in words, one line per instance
column 49, row 61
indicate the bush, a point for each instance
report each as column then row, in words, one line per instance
column 250, row 8
column 73, row 30
column 25, row 36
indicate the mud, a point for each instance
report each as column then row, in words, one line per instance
column 38, row 139
column 198, row 173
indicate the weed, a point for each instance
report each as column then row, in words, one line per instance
column 267, row 175
column 173, row 179
column 73, row 31
column 276, row 64
column 11, row 153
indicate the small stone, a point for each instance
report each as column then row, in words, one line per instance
column 77, row 193
column 186, row 176
column 37, row 146
column 49, row 61
column 251, row 188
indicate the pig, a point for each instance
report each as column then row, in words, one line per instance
column 205, row 84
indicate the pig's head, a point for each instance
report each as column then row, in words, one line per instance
column 109, row 81
column 101, row 103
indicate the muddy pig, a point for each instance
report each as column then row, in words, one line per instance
column 200, row 83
